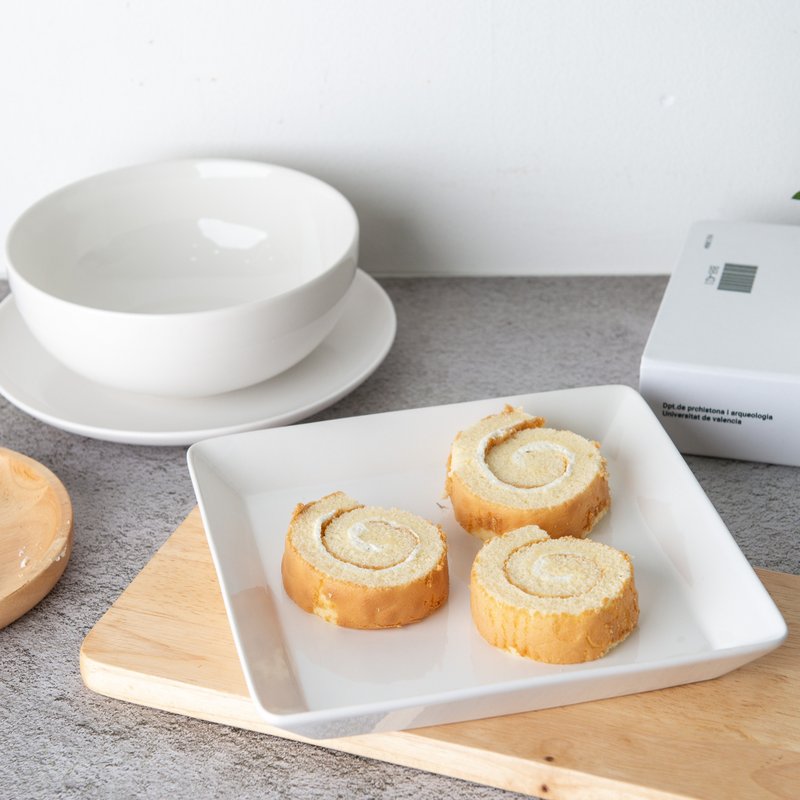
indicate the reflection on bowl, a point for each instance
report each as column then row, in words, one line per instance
column 187, row 278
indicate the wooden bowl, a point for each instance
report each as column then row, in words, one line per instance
column 35, row 533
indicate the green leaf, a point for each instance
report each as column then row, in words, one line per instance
column 796, row 196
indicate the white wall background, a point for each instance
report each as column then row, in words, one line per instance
column 473, row 137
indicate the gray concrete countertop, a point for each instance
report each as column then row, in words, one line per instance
column 458, row 339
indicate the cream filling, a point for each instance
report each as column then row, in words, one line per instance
column 319, row 526
column 354, row 535
column 357, row 529
column 521, row 571
column 551, row 574
column 355, row 532
column 518, row 458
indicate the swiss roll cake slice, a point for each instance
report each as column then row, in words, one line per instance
column 508, row 470
column 364, row 566
column 561, row 601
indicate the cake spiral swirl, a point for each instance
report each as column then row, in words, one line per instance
column 560, row 601
column 507, row 471
column 364, row 566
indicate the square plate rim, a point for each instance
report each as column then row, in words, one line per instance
column 289, row 721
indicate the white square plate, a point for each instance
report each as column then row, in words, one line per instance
column 704, row 611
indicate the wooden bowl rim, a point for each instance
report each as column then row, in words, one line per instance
column 45, row 572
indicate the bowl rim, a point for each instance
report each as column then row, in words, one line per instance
column 15, row 276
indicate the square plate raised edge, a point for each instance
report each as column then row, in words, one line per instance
column 362, row 719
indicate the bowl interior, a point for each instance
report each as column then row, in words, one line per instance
column 182, row 236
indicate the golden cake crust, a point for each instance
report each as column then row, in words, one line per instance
column 572, row 494
column 570, row 600
column 329, row 582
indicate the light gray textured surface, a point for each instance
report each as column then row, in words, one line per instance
column 458, row 339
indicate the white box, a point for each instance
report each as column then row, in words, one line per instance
column 721, row 367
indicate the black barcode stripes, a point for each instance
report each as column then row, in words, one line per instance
column 737, row 278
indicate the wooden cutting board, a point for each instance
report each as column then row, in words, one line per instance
column 166, row 643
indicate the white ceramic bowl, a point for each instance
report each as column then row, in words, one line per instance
column 185, row 278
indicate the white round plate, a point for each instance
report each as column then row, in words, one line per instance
column 38, row 384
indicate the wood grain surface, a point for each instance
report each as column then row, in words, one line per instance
column 166, row 643
column 35, row 533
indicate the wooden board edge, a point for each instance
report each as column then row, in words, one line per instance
column 413, row 749
column 406, row 748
